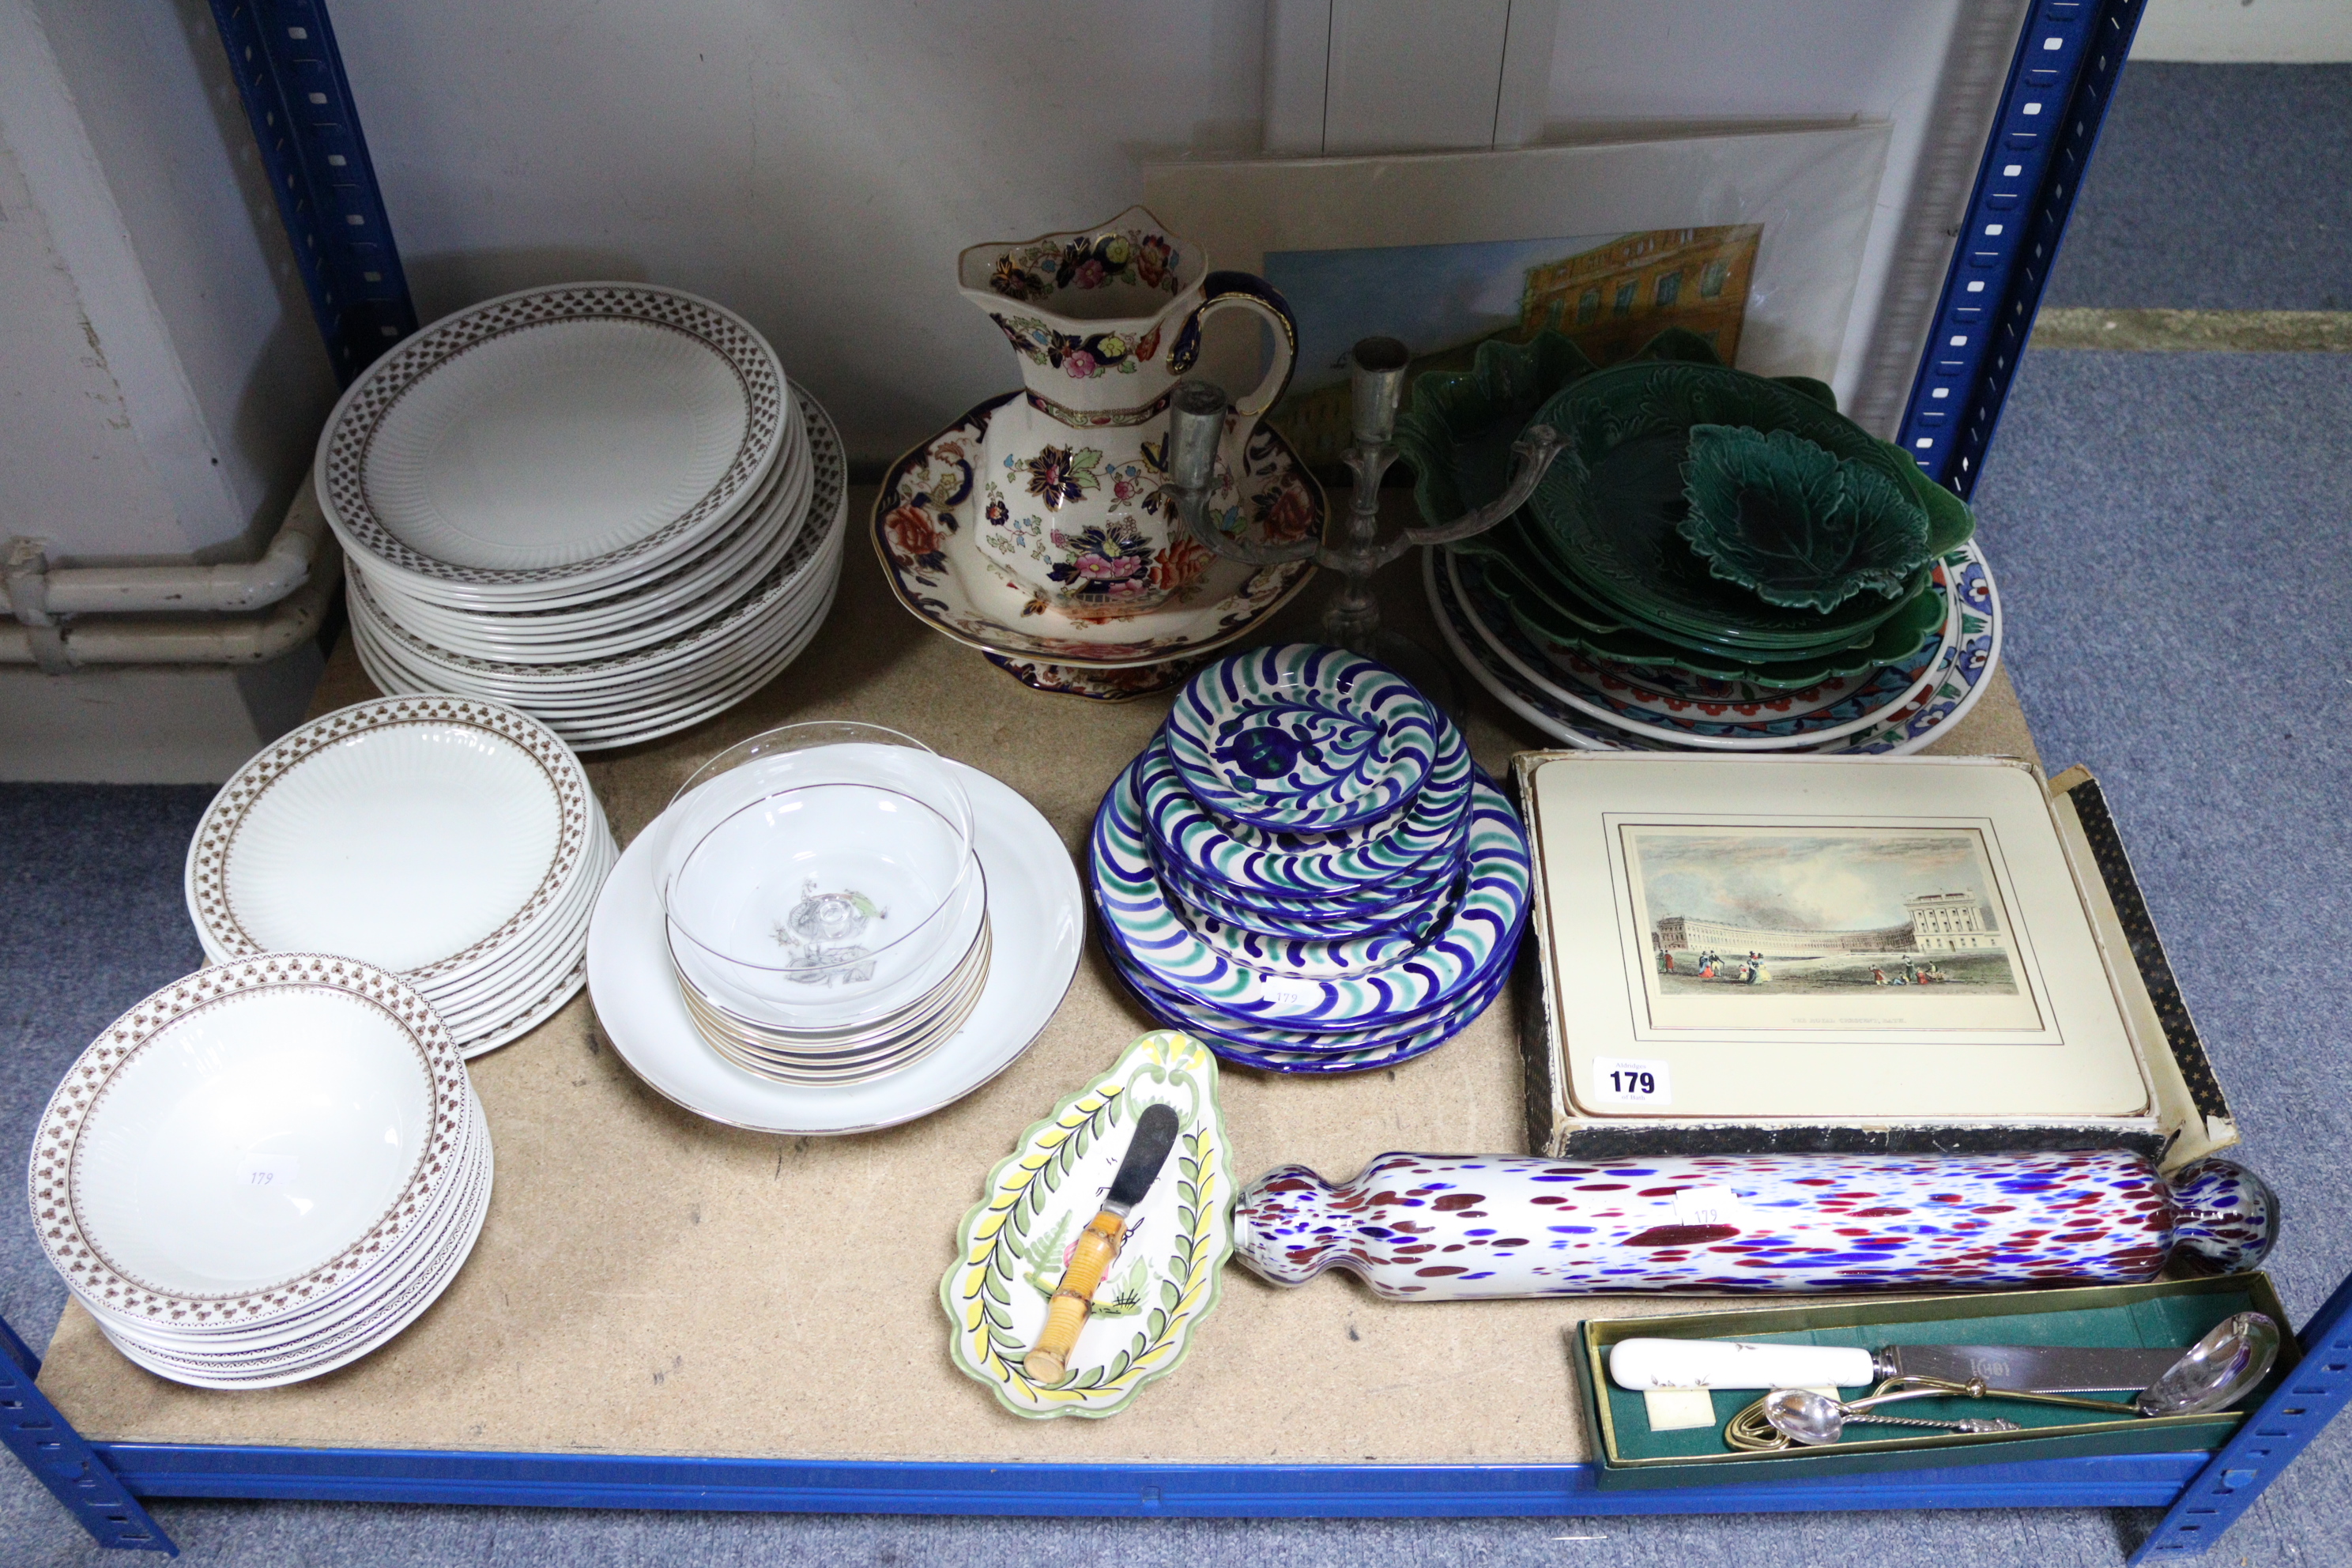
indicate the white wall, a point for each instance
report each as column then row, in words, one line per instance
column 163, row 379
column 2291, row 31
column 814, row 165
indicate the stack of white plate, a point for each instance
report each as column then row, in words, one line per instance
column 455, row 843
column 600, row 503
column 263, row 1171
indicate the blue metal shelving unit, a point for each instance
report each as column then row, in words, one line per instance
column 2068, row 58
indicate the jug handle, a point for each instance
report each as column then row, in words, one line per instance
column 1259, row 297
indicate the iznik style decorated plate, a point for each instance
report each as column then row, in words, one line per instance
column 1301, row 739
column 1962, row 679
column 1013, row 1245
column 1369, row 857
column 1483, row 928
column 1605, row 697
column 943, row 530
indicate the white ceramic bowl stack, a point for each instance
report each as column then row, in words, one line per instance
column 455, row 843
column 263, row 1172
column 599, row 503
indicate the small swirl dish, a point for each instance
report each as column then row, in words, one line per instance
column 1301, row 738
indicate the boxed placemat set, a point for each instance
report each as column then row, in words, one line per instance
column 1763, row 954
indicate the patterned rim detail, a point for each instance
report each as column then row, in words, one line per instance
column 1122, row 683
column 1371, row 857
column 1290, row 1051
column 1301, row 739
column 1484, row 926
column 342, row 452
column 824, row 499
column 995, row 1236
column 54, row 1183
column 215, row 837
column 1313, row 925
column 1962, row 680
column 1407, row 891
column 1888, row 691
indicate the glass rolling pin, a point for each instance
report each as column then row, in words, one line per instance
column 1450, row 1227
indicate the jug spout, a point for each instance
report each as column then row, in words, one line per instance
column 1089, row 311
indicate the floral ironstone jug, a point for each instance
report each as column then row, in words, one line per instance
column 1075, row 493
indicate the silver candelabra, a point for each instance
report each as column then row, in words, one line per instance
column 1353, row 547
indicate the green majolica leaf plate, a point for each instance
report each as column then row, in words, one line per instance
column 1793, row 523
column 1523, row 553
column 1458, row 428
column 1895, row 640
column 1616, row 517
column 1011, row 1245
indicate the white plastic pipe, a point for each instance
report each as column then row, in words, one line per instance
column 1640, row 1365
column 283, row 567
column 244, row 639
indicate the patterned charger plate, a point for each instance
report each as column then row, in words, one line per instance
column 1293, row 1051
column 1605, row 697
column 1960, row 681
column 931, row 531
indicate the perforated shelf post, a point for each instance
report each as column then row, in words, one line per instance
column 60, row 1460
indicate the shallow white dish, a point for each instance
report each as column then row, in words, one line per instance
column 1034, row 906
column 247, row 1140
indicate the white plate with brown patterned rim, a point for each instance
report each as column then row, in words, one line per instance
column 248, row 1139
column 426, row 835
column 544, row 445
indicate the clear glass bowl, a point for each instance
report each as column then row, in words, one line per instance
column 821, row 875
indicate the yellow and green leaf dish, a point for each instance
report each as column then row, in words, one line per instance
column 1011, row 1245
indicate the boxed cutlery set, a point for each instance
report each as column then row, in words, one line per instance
column 1801, row 1014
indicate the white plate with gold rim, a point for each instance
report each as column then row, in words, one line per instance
column 1032, row 888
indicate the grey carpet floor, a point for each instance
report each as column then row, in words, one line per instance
column 2171, row 537
column 2217, row 187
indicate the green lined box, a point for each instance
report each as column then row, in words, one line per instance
column 2163, row 1315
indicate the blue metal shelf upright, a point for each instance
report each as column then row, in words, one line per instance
column 2068, row 57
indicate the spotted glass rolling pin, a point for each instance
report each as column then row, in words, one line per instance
column 1450, row 1227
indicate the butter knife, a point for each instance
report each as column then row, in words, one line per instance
column 1649, row 1363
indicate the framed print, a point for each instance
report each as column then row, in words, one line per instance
column 1810, row 938
column 1751, row 239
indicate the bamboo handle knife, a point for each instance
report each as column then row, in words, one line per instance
column 1048, row 1360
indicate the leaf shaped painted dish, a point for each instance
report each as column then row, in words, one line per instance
column 1166, row 1278
column 1301, row 738
column 1785, row 519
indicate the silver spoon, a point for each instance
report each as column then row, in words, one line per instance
column 2236, row 1354
column 1815, row 1419
column 2230, row 1360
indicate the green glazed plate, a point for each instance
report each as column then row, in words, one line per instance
column 1615, row 513
column 1165, row 1279
column 1895, row 640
